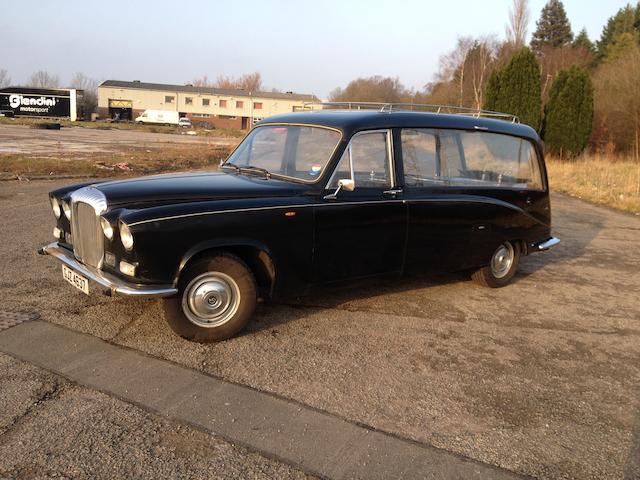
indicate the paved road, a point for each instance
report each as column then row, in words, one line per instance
column 20, row 139
column 541, row 378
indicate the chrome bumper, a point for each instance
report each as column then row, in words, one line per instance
column 546, row 245
column 111, row 285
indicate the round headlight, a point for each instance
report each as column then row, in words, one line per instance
column 125, row 236
column 107, row 229
column 56, row 207
column 67, row 209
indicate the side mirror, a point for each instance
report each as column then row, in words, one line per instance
column 345, row 184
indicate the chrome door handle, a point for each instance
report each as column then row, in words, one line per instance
column 394, row 191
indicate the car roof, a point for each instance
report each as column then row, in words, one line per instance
column 351, row 121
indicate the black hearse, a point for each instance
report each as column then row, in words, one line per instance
column 310, row 198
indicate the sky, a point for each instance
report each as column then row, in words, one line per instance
column 301, row 46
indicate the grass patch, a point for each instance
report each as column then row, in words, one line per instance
column 120, row 163
column 605, row 179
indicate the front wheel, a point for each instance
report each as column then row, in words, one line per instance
column 501, row 268
column 216, row 298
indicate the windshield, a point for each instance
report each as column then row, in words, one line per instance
column 294, row 151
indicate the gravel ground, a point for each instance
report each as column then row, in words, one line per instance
column 20, row 139
column 51, row 428
column 541, row 377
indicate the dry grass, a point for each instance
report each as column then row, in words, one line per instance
column 599, row 178
column 131, row 161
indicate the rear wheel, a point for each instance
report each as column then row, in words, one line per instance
column 216, row 298
column 501, row 268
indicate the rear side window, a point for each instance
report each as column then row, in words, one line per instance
column 461, row 158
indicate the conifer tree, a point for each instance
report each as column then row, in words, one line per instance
column 515, row 88
column 553, row 29
column 569, row 113
column 626, row 20
column 582, row 40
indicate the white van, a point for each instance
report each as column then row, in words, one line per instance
column 159, row 116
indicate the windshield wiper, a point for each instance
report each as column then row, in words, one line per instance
column 231, row 165
column 266, row 172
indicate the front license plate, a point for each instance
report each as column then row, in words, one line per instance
column 75, row 279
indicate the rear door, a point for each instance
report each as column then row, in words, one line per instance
column 363, row 232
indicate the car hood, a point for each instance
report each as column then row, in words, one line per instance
column 193, row 187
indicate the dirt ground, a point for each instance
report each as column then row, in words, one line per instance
column 541, row 377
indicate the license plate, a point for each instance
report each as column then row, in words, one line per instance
column 75, row 279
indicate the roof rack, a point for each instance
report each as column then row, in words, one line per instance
column 403, row 107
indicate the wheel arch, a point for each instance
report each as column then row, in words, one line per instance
column 256, row 255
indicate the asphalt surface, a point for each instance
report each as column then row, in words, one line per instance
column 541, row 378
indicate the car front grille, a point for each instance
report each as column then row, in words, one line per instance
column 87, row 204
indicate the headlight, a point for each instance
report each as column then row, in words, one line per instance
column 67, row 209
column 107, row 229
column 125, row 236
column 56, row 207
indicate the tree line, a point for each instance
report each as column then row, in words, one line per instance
column 577, row 93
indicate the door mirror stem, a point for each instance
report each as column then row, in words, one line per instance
column 346, row 184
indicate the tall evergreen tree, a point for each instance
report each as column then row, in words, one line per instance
column 622, row 22
column 569, row 113
column 582, row 40
column 515, row 88
column 553, row 29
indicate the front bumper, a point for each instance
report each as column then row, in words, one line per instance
column 545, row 245
column 111, row 285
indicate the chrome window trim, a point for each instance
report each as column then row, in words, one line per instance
column 389, row 140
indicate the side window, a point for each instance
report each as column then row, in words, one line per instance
column 499, row 161
column 421, row 166
column 368, row 153
column 463, row 158
column 268, row 145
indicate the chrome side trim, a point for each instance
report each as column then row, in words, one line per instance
column 111, row 284
column 255, row 209
column 547, row 244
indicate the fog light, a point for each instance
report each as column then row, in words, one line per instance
column 110, row 259
column 67, row 209
column 57, row 233
column 127, row 268
column 56, row 207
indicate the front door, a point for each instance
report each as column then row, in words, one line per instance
column 362, row 232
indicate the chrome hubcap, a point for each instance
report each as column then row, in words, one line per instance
column 211, row 299
column 502, row 260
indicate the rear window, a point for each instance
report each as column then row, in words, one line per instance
column 434, row 157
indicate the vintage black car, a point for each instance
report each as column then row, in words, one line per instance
column 310, row 198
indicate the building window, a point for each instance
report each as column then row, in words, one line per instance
column 257, row 105
column 188, row 100
column 205, row 102
column 239, row 104
column 203, row 115
column 169, row 99
column 223, row 104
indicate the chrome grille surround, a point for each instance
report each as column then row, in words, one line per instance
column 87, row 204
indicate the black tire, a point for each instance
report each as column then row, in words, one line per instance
column 221, row 277
column 489, row 276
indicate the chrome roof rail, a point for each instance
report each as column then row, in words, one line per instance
column 404, row 107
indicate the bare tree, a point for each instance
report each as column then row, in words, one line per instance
column 479, row 63
column 202, row 81
column 43, row 79
column 251, row 82
column 372, row 89
column 90, row 88
column 518, row 20
column 453, row 66
column 617, row 102
column 5, row 79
